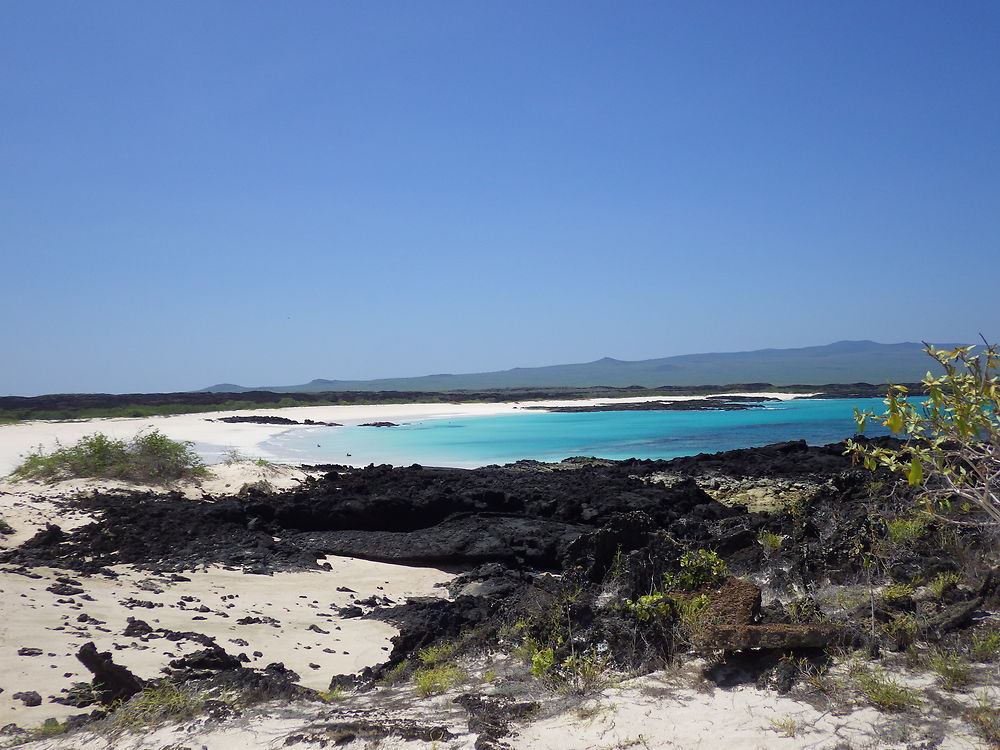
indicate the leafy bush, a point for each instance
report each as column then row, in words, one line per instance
column 435, row 675
column 700, row 568
column 952, row 449
column 648, row 606
column 542, row 662
column 148, row 457
column 437, row 679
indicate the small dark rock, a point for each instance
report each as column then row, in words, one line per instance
column 29, row 698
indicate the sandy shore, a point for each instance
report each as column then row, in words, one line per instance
column 211, row 438
column 290, row 618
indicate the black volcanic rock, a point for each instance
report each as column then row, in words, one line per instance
column 111, row 681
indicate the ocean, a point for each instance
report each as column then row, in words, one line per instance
column 546, row 436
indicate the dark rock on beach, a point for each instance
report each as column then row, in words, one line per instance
column 272, row 420
column 111, row 681
column 710, row 403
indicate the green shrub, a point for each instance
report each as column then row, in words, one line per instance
column 770, row 541
column 5, row 528
column 542, row 662
column 439, row 652
column 950, row 451
column 396, row 675
column 897, row 591
column 942, row 582
column 437, row 679
column 148, row 457
column 700, row 568
column 805, row 610
column 985, row 646
column 952, row 669
column 903, row 531
column 648, row 606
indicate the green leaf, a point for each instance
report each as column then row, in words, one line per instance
column 895, row 423
column 916, row 475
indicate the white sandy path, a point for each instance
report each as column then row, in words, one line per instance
column 32, row 617
column 18, row 439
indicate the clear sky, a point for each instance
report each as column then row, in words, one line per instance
column 195, row 192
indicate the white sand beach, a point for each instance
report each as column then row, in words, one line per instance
column 17, row 439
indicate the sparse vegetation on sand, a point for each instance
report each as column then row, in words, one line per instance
column 148, row 457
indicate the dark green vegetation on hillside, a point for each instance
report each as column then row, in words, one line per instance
column 842, row 362
column 91, row 405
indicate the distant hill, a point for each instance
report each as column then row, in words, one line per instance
column 841, row 362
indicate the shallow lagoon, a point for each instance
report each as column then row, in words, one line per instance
column 546, row 436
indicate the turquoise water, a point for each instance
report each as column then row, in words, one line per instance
column 544, row 436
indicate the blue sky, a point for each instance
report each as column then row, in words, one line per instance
column 270, row 192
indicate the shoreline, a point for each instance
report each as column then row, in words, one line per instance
column 16, row 440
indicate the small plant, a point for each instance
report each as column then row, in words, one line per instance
column 883, row 692
column 985, row 646
column 148, row 457
column 438, row 653
column 334, row 694
column 5, row 528
column 691, row 612
column 902, row 629
column 952, row 669
column 542, row 662
column 942, row 582
column 617, row 568
column 817, row 676
column 437, row 679
column 985, row 717
column 587, row 671
column 395, row 675
column 232, row 456
column 907, row 530
column 154, row 705
column 655, row 604
column 436, row 675
column 698, row 569
column 770, row 541
column 49, row 728
column 786, row 725
column 895, row 592
column 805, row 610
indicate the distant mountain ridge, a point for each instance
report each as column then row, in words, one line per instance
column 840, row 362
